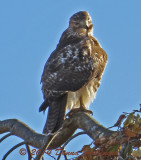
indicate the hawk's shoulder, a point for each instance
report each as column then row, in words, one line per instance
column 70, row 66
column 69, row 37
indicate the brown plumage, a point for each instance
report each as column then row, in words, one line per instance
column 73, row 72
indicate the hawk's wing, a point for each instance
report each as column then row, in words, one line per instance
column 68, row 69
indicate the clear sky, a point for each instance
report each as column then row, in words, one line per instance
column 30, row 31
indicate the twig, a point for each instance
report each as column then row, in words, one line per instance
column 51, row 156
column 4, row 137
column 130, row 157
column 65, row 157
column 72, row 137
column 47, row 144
column 12, row 149
column 28, row 151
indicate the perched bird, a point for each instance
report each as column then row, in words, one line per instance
column 73, row 72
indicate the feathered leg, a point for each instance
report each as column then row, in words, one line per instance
column 81, row 108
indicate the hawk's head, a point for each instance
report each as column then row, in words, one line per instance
column 81, row 22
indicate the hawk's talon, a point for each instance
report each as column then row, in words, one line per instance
column 89, row 112
column 69, row 114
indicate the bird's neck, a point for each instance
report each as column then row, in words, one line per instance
column 70, row 37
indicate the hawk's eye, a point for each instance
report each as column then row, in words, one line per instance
column 89, row 20
column 76, row 23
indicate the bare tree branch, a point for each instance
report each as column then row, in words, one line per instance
column 104, row 139
column 44, row 148
column 28, row 151
column 6, row 136
column 33, row 138
column 80, row 120
column 12, row 149
column 74, row 136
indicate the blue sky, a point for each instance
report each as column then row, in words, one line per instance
column 30, row 31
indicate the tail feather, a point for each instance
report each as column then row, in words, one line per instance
column 62, row 112
column 44, row 105
column 56, row 115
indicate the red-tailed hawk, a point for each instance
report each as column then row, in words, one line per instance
column 73, row 72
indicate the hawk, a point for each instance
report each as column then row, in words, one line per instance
column 73, row 72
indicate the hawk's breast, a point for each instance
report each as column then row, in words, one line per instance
column 88, row 92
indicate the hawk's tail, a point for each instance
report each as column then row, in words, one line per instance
column 44, row 105
column 56, row 115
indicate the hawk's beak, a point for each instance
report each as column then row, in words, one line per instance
column 85, row 24
column 88, row 26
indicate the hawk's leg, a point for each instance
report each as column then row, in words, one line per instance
column 81, row 108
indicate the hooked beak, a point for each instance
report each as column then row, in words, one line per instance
column 86, row 25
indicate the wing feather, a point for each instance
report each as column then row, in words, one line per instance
column 68, row 69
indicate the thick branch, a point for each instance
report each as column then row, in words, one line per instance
column 78, row 120
column 87, row 123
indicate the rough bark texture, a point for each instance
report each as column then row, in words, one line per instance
column 80, row 120
column 105, row 140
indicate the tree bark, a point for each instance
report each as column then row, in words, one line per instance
column 80, row 120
